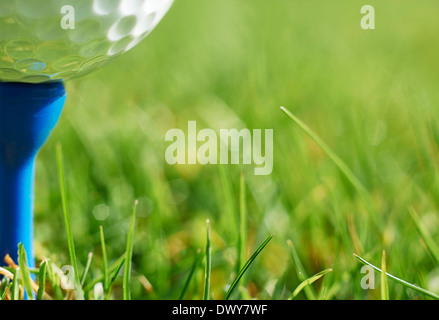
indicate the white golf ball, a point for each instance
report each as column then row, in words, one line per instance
column 52, row 40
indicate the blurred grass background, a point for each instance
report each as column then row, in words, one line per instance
column 371, row 95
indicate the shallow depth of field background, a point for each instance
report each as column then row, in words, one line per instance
column 371, row 95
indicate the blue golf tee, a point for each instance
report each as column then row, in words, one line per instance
column 28, row 114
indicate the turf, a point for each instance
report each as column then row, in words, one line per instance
column 370, row 96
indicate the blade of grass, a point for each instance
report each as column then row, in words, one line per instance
column 15, row 289
column 3, row 286
column 8, row 276
column 24, row 270
column 208, row 264
column 308, row 282
column 384, row 284
column 54, row 280
column 197, row 260
column 6, row 289
column 72, row 253
column 105, row 260
column 242, row 235
column 362, row 191
column 300, row 271
column 245, row 267
column 280, row 286
column 129, row 255
column 229, row 203
column 400, row 281
column 42, row 280
column 117, row 268
column 429, row 242
column 87, row 267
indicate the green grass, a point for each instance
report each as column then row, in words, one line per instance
column 384, row 284
column 24, row 270
column 244, row 268
column 128, row 257
column 397, row 280
column 359, row 145
column 68, row 227
column 208, row 264
column 308, row 282
column 197, row 260
column 15, row 289
column 42, row 280
column 104, row 260
column 87, row 266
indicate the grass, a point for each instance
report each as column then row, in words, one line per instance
column 128, row 257
column 197, row 260
column 397, row 280
column 350, row 176
column 24, row 270
column 308, row 282
column 245, row 267
column 384, row 284
column 104, row 260
column 359, row 145
column 300, row 271
column 208, row 264
column 242, row 236
column 426, row 238
column 68, row 227
column 42, row 280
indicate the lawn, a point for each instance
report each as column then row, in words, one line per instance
column 370, row 96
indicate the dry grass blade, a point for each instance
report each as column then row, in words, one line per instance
column 6, row 273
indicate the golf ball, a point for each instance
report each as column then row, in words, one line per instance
column 53, row 40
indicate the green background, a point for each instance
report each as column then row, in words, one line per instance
column 371, row 95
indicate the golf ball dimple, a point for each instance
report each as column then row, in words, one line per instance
column 54, row 40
